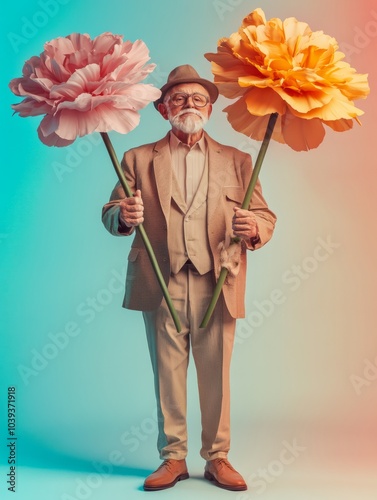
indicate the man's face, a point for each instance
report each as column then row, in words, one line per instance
column 188, row 116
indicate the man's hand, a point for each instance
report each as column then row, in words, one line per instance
column 244, row 224
column 132, row 210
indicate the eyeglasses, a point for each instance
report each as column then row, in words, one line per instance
column 180, row 99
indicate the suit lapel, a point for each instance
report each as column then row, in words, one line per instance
column 163, row 174
column 177, row 194
column 216, row 176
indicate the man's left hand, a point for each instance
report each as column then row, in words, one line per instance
column 244, row 224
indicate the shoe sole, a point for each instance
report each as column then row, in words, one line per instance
column 210, row 477
column 165, row 486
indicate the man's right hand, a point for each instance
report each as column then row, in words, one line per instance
column 132, row 210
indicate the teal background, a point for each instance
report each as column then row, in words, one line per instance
column 304, row 369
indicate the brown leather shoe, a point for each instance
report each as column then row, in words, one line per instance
column 170, row 472
column 223, row 475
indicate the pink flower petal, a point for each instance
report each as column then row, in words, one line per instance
column 49, row 125
column 30, row 107
column 58, row 49
column 53, row 140
column 135, row 96
column 74, row 124
column 59, row 71
column 118, row 120
column 82, row 104
column 81, row 42
column 105, row 42
column 77, row 83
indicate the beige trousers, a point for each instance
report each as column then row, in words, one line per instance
column 211, row 350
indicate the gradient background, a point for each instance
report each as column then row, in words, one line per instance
column 304, row 371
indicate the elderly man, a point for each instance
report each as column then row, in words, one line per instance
column 188, row 191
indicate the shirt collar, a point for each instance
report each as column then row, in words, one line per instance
column 175, row 143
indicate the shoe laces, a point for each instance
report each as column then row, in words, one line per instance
column 225, row 463
column 166, row 464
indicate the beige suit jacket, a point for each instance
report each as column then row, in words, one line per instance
column 148, row 168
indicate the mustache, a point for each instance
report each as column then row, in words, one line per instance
column 189, row 110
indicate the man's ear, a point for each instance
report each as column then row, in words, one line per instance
column 209, row 110
column 163, row 110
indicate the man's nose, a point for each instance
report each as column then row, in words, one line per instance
column 190, row 102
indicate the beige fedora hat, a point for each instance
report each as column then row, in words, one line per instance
column 187, row 74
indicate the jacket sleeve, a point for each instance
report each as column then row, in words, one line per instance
column 266, row 219
column 110, row 211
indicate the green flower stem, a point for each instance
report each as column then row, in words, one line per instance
column 143, row 234
column 245, row 206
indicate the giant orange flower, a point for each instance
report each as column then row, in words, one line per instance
column 284, row 67
column 289, row 82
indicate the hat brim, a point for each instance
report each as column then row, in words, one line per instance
column 211, row 88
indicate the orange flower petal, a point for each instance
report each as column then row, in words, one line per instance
column 252, row 126
column 294, row 30
column 303, row 102
column 255, row 18
column 302, row 135
column 261, row 102
column 338, row 108
column 340, row 125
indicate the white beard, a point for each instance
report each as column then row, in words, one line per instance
column 189, row 123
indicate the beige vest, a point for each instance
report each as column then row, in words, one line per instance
column 187, row 236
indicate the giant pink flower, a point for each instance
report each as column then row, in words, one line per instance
column 83, row 86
